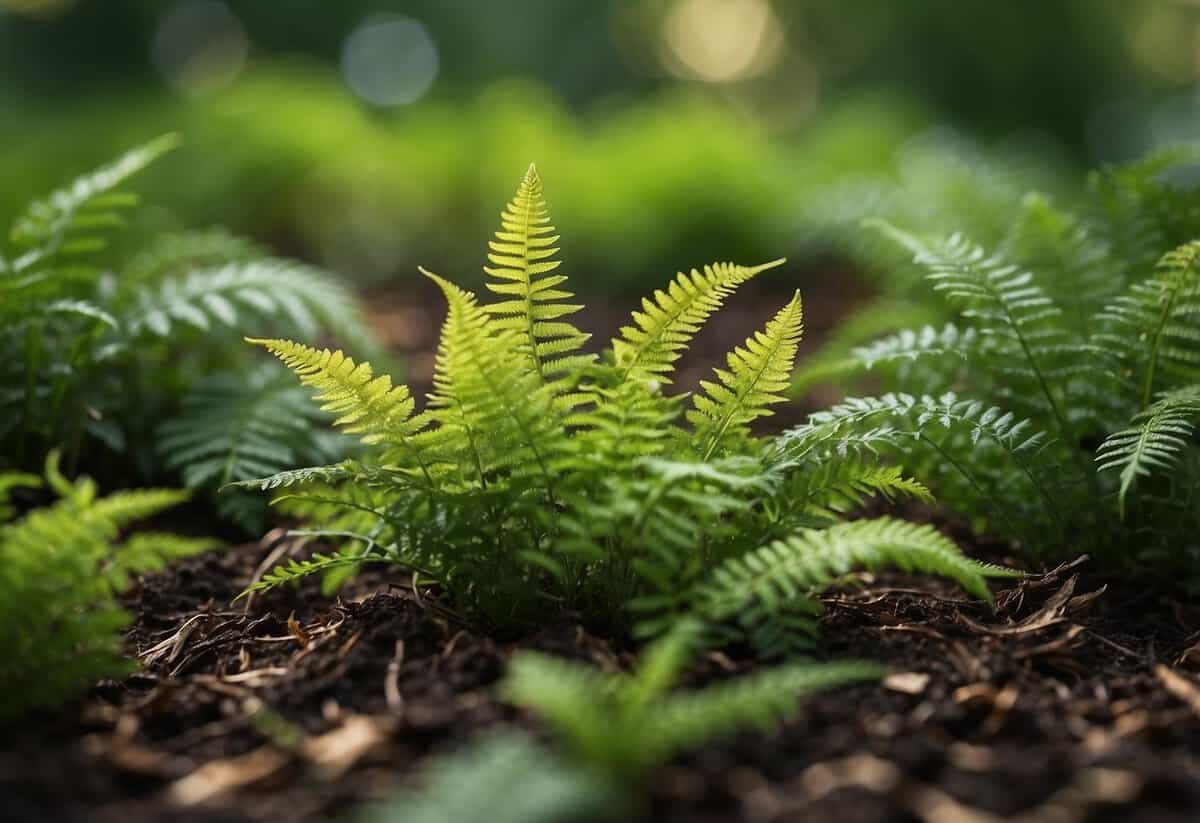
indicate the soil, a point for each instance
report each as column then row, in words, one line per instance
column 1073, row 698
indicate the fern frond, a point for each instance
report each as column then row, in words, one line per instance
column 757, row 377
column 476, row 786
column 330, row 474
column 504, row 417
column 1020, row 319
column 72, row 218
column 304, row 299
column 1072, row 258
column 785, row 576
column 626, row 724
column 976, row 457
column 1160, row 434
column 295, row 570
column 522, row 257
column 60, row 574
column 366, row 405
column 1156, row 323
column 823, row 487
column 230, row 430
column 176, row 254
column 661, row 331
column 757, row 700
column 911, row 345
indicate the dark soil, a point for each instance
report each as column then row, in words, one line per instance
column 1069, row 701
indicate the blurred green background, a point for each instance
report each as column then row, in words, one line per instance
column 374, row 136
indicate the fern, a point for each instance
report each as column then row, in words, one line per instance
column 229, row 430
column 1161, row 433
column 626, row 724
column 538, row 475
column 61, row 569
column 98, row 353
column 1074, row 331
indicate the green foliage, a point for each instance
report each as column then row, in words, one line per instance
column 625, row 724
column 540, row 476
column 477, row 786
column 61, row 569
column 100, row 348
column 770, row 593
column 1073, row 350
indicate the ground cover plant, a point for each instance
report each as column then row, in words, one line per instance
column 62, row 567
column 129, row 359
column 542, row 477
column 1058, row 408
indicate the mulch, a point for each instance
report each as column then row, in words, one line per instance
column 1073, row 698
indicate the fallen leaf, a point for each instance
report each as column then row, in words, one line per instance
column 1180, row 687
column 335, row 752
column 219, row 777
column 907, row 682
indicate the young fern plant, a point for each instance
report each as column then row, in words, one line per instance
column 539, row 475
column 1060, row 408
column 62, row 567
column 116, row 354
column 625, row 724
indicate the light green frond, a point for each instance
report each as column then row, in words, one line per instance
column 366, row 405
column 72, row 218
column 661, row 331
column 626, row 724
column 500, row 415
column 125, row 507
column 1159, row 436
column 532, row 304
column 757, row 377
column 785, row 576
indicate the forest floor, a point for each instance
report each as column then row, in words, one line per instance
column 1072, row 699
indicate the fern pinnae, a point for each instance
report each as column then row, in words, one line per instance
column 660, row 332
column 522, row 255
column 88, row 203
column 367, row 406
column 788, row 573
column 1155, row 442
column 757, row 377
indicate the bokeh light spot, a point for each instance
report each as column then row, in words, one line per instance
column 722, row 40
column 390, row 60
column 199, row 46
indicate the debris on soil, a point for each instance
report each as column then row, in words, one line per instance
column 1071, row 699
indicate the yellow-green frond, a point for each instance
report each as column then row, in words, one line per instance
column 667, row 322
column 757, row 377
column 532, row 304
column 366, row 405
